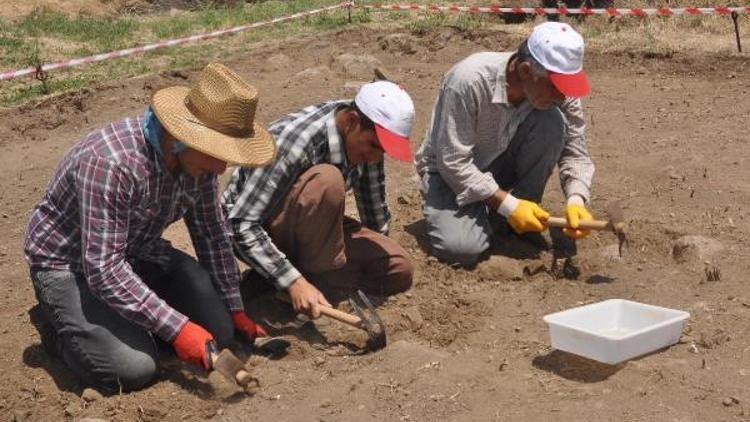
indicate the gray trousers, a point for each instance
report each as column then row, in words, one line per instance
column 460, row 235
column 107, row 351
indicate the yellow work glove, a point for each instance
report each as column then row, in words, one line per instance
column 575, row 212
column 522, row 215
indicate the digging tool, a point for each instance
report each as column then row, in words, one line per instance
column 368, row 321
column 615, row 222
column 228, row 365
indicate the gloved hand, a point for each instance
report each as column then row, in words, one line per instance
column 523, row 216
column 575, row 212
column 247, row 326
column 190, row 344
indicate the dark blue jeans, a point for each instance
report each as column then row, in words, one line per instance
column 104, row 349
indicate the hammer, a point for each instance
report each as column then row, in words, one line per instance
column 367, row 321
column 615, row 222
column 229, row 365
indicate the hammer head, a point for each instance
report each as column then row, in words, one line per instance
column 619, row 225
column 370, row 321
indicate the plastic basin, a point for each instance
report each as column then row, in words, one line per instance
column 615, row 330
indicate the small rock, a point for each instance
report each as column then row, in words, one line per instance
column 358, row 66
column 89, row 395
column 325, row 404
column 730, row 401
column 319, row 361
column 70, row 410
column 499, row 268
column 319, row 72
column 91, row 420
column 695, row 249
column 693, row 348
column 414, row 317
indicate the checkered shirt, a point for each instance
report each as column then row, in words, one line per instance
column 304, row 139
column 108, row 204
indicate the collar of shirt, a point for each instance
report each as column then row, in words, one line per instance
column 153, row 130
column 335, row 143
column 500, row 94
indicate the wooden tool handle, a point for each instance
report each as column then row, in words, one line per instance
column 583, row 224
column 344, row 317
column 242, row 377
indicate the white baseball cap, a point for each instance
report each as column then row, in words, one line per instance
column 559, row 48
column 392, row 111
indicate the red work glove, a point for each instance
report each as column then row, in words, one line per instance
column 190, row 344
column 247, row 326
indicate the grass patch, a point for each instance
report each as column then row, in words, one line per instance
column 45, row 35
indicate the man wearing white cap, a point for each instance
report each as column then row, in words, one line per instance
column 288, row 218
column 501, row 123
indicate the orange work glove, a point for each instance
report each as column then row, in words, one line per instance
column 247, row 326
column 190, row 344
column 522, row 215
column 575, row 212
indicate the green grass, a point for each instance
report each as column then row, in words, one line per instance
column 44, row 36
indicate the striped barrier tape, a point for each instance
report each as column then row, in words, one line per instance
column 39, row 71
column 684, row 11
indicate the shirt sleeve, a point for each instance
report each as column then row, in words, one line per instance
column 106, row 193
column 213, row 245
column 369, row 192
column 454, row 132
column 576, row 166
column 259, row 190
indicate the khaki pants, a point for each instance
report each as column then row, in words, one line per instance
column 335, row 252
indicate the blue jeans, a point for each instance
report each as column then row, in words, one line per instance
column 104, row 349
column 460, row 235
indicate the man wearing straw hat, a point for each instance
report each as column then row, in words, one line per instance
column 501, row 123
column 106, row 281
column 288, row 218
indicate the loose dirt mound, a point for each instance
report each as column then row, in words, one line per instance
column 669, row 140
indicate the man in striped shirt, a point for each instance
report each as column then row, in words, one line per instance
column 288, row 218
column 106, row 281
column 501, row 123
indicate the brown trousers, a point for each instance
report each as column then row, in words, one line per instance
column 335, row 252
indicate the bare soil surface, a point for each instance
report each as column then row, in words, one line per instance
column 670, row 140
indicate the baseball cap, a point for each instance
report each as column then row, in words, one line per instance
column 392, row 111
column 559, row 48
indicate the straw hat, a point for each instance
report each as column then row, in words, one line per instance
column 216, row 116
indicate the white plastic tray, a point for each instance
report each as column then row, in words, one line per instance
column 615, row 330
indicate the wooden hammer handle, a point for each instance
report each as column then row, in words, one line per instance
column 242, row 377
column 583, row 224
column 344, row 317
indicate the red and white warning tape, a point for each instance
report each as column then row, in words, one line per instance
column 38, row 71
column 685, row 11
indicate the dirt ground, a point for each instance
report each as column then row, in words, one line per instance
column 670, row 140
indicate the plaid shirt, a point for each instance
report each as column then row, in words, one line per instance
column 108, row 204
column 304, row 139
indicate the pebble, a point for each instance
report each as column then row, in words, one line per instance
column 730, row 401
column 89, row 395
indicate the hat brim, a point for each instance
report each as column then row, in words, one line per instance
column 394, row 145
column 171, row 110
column 571, row 85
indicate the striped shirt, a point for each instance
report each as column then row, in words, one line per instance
column 473, row 123
column 109, row 202
column 304, row 139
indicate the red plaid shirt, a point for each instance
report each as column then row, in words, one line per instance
column 109, row 202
